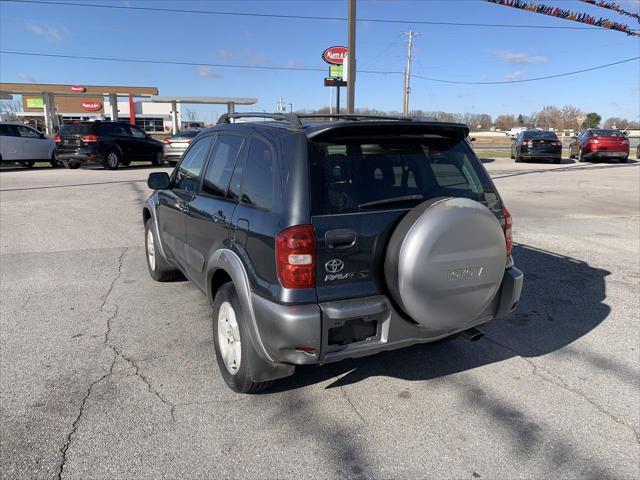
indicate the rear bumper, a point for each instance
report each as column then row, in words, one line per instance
column 605, row 154
column 81, row 156
column 300, row 334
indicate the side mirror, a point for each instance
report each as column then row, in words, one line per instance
column 473, row 139
column 159, row 181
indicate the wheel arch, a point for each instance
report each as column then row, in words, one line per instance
column 223, row 266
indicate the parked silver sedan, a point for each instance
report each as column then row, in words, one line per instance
column 175, row 146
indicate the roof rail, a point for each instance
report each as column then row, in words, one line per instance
column 352, row 116
column 292, row 118
column 295, row 119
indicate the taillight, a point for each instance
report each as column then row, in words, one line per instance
column 296, row 257
column 526, row 142
column 593, row 140
column 190, row 140
column 167, row 141
column 57, row 139
column 89, row 138
column 508, row 225
column 556, row 144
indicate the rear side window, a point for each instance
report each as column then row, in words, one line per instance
column 76, row 129
column 136, row 132
column 114, row 129
column 257, row 184
column 396, row 174
column 28, row 132
column 8, row 131
column 190, row 170
column 221, row 165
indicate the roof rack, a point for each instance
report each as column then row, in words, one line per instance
column 292, row 118
column 295, row 119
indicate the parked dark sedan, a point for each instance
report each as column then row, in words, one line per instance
column 532, row 144
column 110, row 143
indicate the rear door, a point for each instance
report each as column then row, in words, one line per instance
column 141, row 146
column 360, row 189
column 173, row 204
column 211, row 211
column 10, row 143
column 34, row 147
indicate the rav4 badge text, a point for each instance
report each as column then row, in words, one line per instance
column 335, row 266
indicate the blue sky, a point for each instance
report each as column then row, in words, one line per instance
column 455, row 53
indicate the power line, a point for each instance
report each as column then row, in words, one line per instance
column 296, row 17
column 528, row 79
column 304, row 69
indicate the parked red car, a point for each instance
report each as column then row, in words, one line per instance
column 597, row 143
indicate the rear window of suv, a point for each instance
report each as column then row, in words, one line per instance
column 76, row 128
column 364, row 176
column 540, row 135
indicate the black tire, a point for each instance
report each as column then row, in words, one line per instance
column 240, row 381
column 55, row 163
column 623, row 160
column 571, row 157
column 160, row 270
column 511, row 155
column 28, row 164
column 71, row 165
column 580, row 157
column 518, row 158
column 557, row 160
column 158, row 159
column 112, row 160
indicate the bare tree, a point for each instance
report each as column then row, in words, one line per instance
column 192, row 116
column 569, row 117
column 9, row 110
column 505, row 122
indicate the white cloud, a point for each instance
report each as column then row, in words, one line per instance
column 26, row 77
column 224, row 54
column 49, row 33
column 518, row 58
column 256, row 57
column 204, row 71
column 293, row 63
column 517, row 75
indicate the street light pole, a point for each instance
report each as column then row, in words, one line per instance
column 351, row 67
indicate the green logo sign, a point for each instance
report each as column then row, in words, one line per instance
column 35, row 103
column 335, row 71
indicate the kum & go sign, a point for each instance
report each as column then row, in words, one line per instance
column 335, row 55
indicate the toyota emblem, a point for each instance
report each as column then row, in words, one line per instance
column 334, row 266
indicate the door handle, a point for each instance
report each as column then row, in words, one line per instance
column 183, row 206
column 340, row 239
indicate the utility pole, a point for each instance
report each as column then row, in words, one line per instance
column 281, row 108
column 407, row 70
column 351, row 67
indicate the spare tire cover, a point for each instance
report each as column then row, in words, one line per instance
column 445, row 262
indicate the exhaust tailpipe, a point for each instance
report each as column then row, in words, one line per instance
column 473, row 334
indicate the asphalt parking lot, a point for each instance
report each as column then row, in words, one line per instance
column 107, row 374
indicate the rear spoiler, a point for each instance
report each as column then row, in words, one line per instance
column 391, row 129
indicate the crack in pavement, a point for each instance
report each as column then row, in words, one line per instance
column 557, row 381
column 117, row 353
column 74, row 425
column 346, row 395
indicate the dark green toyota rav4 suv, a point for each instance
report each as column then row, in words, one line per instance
column 319, row 240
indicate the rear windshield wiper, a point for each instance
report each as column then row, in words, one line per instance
column 386, row 201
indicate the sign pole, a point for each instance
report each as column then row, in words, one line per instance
column 351, row 75
column 338, row 100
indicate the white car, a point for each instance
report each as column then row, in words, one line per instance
column 25, row 145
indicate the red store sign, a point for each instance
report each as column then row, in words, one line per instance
column 92, row 106
column 335, row 55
